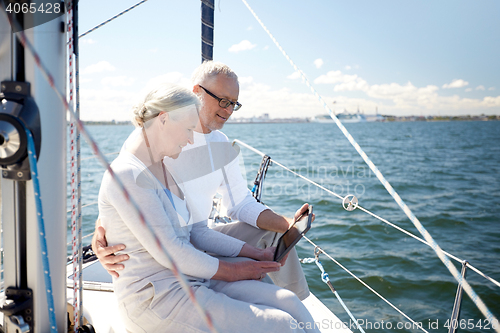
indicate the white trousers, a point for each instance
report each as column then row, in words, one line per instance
column 244, row 306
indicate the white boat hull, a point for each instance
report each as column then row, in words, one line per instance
column 100, row 307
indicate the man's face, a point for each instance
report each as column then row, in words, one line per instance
column 212, row 116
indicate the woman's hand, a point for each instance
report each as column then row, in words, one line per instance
column 253, row 252
column 245, row 270
column 267, row 254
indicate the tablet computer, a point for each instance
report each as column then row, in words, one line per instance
column 288, row 240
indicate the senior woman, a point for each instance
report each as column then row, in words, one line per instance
column 149, row 296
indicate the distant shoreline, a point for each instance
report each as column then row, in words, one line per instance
column 261, row 120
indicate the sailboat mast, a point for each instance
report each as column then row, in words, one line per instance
column 207, row 30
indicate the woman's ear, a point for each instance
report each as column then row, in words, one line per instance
column 163, row 116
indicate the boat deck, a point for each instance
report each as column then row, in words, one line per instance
column 100, row 307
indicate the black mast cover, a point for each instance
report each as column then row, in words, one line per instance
column 207, row 30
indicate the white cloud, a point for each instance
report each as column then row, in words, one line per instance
column 245, row 80
column 172, row 77
column 491, row 88
column 294, row 76
column 115, row 100
column 391, row 90
column 259, row 98
column 249, row 28
column 266, row 47
column 101, row 66
column 117, row 81
column 87, row 41
column 331, row 77
column 491, row 101
column 352, row 83
column 107, row 103
column 456, row 84
column 348, row 67
column 481, row 87
column 404, row 96
column 318, row 63
column 244, row 45
column 468, row 90
column 395, row 98
column 346, row 82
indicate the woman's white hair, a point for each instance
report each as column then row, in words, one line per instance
column 209, row 70
column 165, row 97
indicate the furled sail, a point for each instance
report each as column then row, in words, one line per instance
column 207, row 29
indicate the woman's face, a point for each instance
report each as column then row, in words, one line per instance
column 177, row 129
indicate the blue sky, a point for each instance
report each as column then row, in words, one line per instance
column 400, row 57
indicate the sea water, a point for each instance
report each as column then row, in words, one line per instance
column 448, row 173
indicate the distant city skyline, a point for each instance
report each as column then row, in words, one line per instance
column 404, row 58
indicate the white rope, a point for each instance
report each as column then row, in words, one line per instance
column 75, row 227
column 367, row 286
column 92, row 157
column 84, row 237
column 284, row 167
column 78, row 164
column 326, row 279
column 423, row 241
column 111, row 19
column 87, row 205
column 465, row 285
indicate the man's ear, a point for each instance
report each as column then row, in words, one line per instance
column 196, row 89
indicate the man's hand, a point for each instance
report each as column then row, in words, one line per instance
column 269, row 220
column 302, row 210
column 106, row 254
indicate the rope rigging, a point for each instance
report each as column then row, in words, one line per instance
column 363, row 283
column 326, row 279
column 439, row 252
column 111, row 19
column 370, row 213
column 76, row 204
column 41, row 231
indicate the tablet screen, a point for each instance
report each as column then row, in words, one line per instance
column 293, row 235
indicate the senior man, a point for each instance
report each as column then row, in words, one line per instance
column 204, row 175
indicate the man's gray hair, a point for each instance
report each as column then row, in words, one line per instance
column 209, row 70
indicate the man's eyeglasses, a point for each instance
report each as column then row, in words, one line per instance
column 224, row 102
